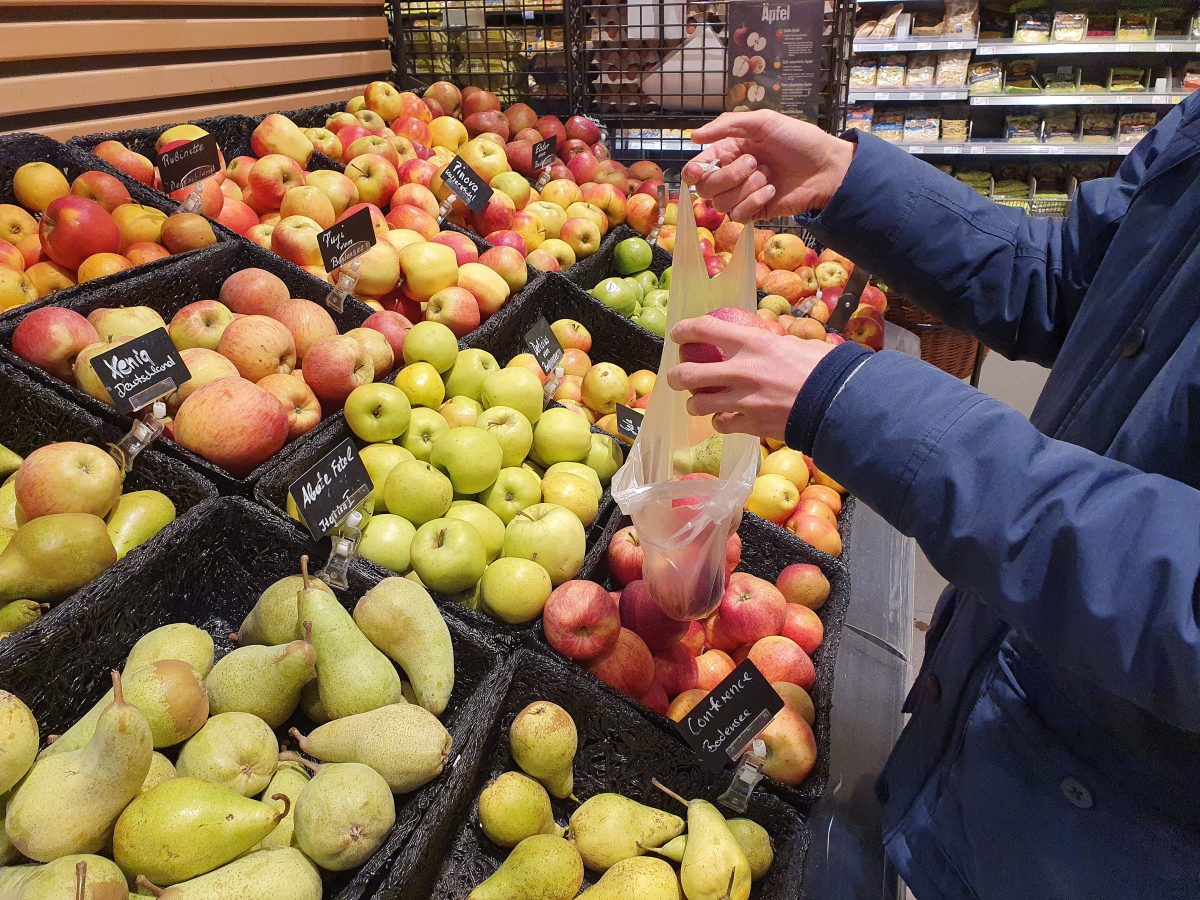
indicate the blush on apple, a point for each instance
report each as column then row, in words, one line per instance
column 803, row 626
column 675, row 669
column 781, row 659
column 580, row 620
column 714, row 667
column 751, row 608
column 642, row 615
column 628, row 666
column 625, row 556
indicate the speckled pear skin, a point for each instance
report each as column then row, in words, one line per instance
column 59, row 880
column 263, row 681
column 19, row 738
column 269, row 875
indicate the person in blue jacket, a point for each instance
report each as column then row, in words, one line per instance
column 1054, row 744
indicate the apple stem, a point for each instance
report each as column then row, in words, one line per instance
column 304, row 572
column 666, row 790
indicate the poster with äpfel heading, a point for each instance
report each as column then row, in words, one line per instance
column 774, row 56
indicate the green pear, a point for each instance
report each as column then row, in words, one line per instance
column 19, row 614
column 289, row 780
column 186, row 827
column 543, row 866
column 179, row 640
column 273, row 618
column 8, row 505
column 544, row 740
column 704, row 457
column 513, row 807
column 263, row 681
column 751, row 837
column 6, row 536
column 78, row 876
column 404, row 743
column 310, row 703
column 343, row 815
column 714, row 867
column 68, row 802
column 401, row 619
column 640, row 876
column 168, row 693
column 269, row 875
column 137, row 517
column 608, row 828
column 161, row 769
column 10, row 461
column 235, row 750
column 19, row 747
column 352, row 675
column 53, row 556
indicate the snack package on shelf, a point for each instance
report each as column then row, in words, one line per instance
column 1171, row 22
column 1133, row 126
column 889, row 125
column 928, row 23
column 1012, row 183
column 1191, row 75
column 1022, row 129
column 962, row 17
column 956, row 127
column 921, row 70
column 1032, row 28
column 1069, row 27
column 1063, row 81
column 892, row 68
column 1135, row 26
column 985, row 77
column 1020, row 77
column 1052, row 180
column 1101, row 27
column 1099, row 126
column 952, row 68
column 886, row 26
column 1128, row 80
column 862, row 74
column 1061, row 126
column 860, row 116
column 1194, row 28
column 920, row 126
column 978, row 180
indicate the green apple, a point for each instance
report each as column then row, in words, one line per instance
column 648, row 281
column 377, row 412
column 573, row 493
column 617, row 294
column 510, row 429
column 514, row 590
column 632, row 255
column 465, row 378
column 604, row 457
column 386, row 541
column 636, row 285
column 418, row 492
column 604, row 386
column 550, row 536
column 422, row 385
column 664, row 280
column 515, row 388
column 424, row 428
column 448, row 555
column 431, row 342
column 657, row 298
column 582, row 470
column 459, row 411
column 486, row 522
column 653, row 319
column 469, row 456
column 379, row 460
column 561, row 436
column 515, row 489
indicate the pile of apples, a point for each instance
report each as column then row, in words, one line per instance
column 478, row 493
column 248, row 395
column 624, row 639
column 791, row 491
column 65, row 233
column 636, row 292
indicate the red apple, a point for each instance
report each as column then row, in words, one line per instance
column 580, row 620
column 414, row 219
column 781, row 659
column 416, row 171
column 479, row 101
column 488, row 121
column 520, row 157
column 573, row 148
column 628, row 666
column 804, row 627
column 253, row 292
column 675, row 668
column 464, row 248
column 551, row 126
column 644, row 617
column 583, row 166
column 334, row 367
column 520, row 116
column 751, row 608
column 509, row 264
column 693, row 639
column 456, row 308
column 74, row 228
column 392, row 326
column 303, row 410
column 51, row 337
column 583, row 129
column 233, row 424
column 625, row 556
column 644, row 170
column 655, row 699
column 506, row 239
column 714, row 666
column 106, row 190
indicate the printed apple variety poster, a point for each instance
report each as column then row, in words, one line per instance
column 774, row 56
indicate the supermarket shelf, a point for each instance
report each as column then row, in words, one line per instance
column 1005, row 148
column 867, row 96
column 891, row 45
column 1133, row 99
column 1009, row 48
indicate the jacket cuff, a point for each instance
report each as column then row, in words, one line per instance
column 818, row 392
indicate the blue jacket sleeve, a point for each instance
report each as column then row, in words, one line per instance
column 1013, row 281
column 1096, row 563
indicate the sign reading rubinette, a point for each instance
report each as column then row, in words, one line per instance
column 188, row 163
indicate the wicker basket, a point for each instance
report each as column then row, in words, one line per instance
column 949, row 349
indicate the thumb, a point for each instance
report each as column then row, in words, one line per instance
column 746, row 125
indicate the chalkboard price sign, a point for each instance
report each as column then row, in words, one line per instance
column 544, row 154
column 467, row 185
column 544, row 345
column 328, row 492
column 722, row 725
column 185, row 165
column 139, row 371
column 351, row 237
column 629, row 421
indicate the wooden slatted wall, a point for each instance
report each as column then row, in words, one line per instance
column 71, row 67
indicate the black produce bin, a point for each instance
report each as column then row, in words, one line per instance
column 20, row 148
column 766, row 551
column 619, row 752
column 210, row 574
column 167, row 289
column 32, row 416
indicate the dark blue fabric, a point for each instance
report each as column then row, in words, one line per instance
column 818, row 392
column 1054, row 744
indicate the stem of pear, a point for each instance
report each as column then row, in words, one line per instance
column 80, row 879
column 300, row 739
column 287, row 805
column 235, row 637
column 307, row 634
column 118, row 692
column 143, row 882
column 289, row 756
column 666, row 790
column 304, row 572
column 729, row 889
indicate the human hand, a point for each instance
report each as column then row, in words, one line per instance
column 756, row 384
column 771, row 165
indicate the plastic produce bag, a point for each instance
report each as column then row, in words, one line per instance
column 683, row 526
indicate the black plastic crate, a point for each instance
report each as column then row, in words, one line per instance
column 20, row 148
column 210, row 574
column 167, row 289
column 620, row 750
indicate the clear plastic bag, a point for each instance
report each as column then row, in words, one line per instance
column 683, row 526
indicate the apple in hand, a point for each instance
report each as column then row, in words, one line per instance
column 580, row 621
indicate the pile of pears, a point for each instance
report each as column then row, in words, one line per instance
column 104, row 812
column 625, row 842
column 62, row 538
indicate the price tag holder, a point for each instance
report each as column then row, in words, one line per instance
column 730, row 717
column 189, row 163
column 349, row 238
column 467, row 185
column 140, row 371
column 328, row 492
column 629, row 421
